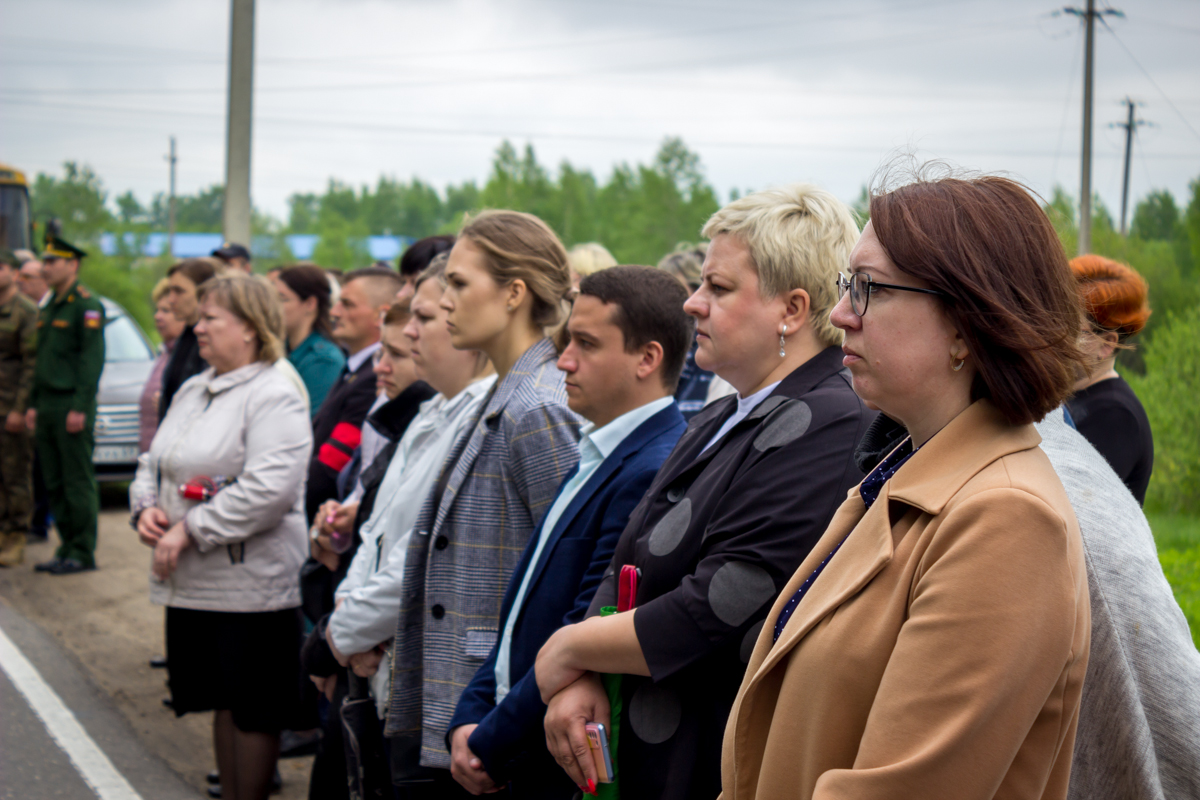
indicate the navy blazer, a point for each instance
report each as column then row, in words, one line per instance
column 510, row 739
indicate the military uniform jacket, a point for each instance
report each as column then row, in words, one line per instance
column 18, row 345
column 70, row 348
column 716, row 538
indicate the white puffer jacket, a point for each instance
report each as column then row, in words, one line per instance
column 250, row 539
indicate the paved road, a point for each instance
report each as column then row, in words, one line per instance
column 90, row 637
column 33, row 765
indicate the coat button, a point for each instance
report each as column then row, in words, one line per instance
column 438, row 612
column 675, row 494
column 441, row 543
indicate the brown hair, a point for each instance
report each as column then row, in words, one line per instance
column 198, row 270
column 435, row 271
column 1113, row 295
column 255, row 302
column 397, row 313
column 648, row 308
column 520, row 246
column 984, row 242
column 311, row 281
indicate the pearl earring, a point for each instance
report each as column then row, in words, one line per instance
column 782, row 343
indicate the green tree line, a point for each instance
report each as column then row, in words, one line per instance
column 640, row 213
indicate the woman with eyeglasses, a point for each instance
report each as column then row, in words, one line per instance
column 743, row 497
column 934, row 642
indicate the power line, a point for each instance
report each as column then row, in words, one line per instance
column 1153, row 82
column 674, row 64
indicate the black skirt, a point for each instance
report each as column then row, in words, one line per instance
column 247, row 663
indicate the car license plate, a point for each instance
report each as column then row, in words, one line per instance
column 115, row 454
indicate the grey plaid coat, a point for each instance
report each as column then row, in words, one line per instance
column 505, row 473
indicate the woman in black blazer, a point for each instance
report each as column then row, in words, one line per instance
column 743, row 497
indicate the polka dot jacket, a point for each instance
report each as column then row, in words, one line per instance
column 716, row 538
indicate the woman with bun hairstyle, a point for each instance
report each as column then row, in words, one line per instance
column 506, row 283
column 934, row 642
column 304, row 296
column 1105, row 410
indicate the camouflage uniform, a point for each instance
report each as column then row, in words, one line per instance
column 18, row 343
column 70, row 358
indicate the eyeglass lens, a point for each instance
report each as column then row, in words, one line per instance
column 859, row 286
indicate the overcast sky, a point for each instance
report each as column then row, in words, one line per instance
column 766, row 92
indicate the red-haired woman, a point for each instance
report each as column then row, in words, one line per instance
column 1104, row 408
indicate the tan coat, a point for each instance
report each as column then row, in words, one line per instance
column 941, row 653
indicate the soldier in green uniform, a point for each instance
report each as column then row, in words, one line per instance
column 70, row 357
column 18, row 341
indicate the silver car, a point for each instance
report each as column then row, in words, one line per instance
column 128, row 361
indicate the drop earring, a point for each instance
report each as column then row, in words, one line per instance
column 959, row 365
column 782, row 343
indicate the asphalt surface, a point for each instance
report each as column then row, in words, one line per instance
column 32, row 764
column 90, row 637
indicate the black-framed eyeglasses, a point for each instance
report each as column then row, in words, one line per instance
column 861, row 287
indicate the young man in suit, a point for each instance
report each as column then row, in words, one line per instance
column 337, row 428
column 628, row 337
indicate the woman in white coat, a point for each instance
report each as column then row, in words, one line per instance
column 220, row 498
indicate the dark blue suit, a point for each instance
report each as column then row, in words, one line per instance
column 510, row 739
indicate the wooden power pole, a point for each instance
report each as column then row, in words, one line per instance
column 1089, row 16
column 1130, row 125
column 237, row 137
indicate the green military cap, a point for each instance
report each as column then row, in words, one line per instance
column 57, row 247
column 9, row 257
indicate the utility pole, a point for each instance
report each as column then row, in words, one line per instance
column 1130, row 125
column 1089, row 16
column 171, row 159
column 237, row 138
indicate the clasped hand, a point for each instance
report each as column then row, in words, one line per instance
column 168, row 543
column 166, row 552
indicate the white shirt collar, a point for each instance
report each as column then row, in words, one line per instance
column 607, row 438
column 355, row 361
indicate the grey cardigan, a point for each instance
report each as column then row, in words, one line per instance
column 1139, row 721
column 504, row 472
column 250, row 539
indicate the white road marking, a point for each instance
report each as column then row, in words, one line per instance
column 92, row 764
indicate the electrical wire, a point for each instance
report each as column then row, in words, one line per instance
column 1153, row 82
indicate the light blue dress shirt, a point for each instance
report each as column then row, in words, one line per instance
column 595, row 445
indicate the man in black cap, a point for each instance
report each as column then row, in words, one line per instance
column 235, row 255
column 70, row 358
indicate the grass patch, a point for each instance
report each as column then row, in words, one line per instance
column 1178, row 540
column 1175, row 531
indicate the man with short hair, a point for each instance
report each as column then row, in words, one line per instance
column 70, row 358
column 235, row 256
column 18, row 343
column 628, row 338
column 337, row 428
column 32, row 282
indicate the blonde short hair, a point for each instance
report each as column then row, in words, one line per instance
column 799, row 237
column 590, row 257
column 159, row 291
column 251, row 299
